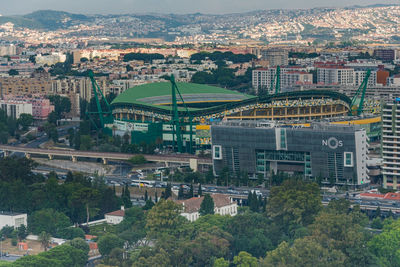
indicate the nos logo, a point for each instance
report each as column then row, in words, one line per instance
column 332, row 143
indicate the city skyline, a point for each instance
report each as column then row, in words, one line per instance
column 171, row 6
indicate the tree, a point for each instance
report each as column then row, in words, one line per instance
column 21, row 232
column 207, row 205
column 385, row 246
column 343, row 232
column 160, row 259
column 108, row 242
column 44, row 239
column 13, row 72
column 304, row 252
column 245, row 259
column 80, row 244
column 88, row 197
column 200, row 191
column 294, row 203
column 377, row 223
column 221, row 262
column 209, row 245
column 133, row 226
column 138, row 160
column 168, row 192
column 25, row 120
column 253, row 233
column 164, row 218
column 49, row 221
column 180, row 193
column 85, row 142
column 191, row 192
column 51, row 131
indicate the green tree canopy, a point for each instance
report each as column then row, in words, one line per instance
column 293, row 203
column 245, row 259
column 49, row 221
column 207, row 205
column 108, row 242
column 164, row 218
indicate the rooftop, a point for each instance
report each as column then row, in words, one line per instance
column 193, row 204
column 10, row 213
column 120, row 213
column 159, row 94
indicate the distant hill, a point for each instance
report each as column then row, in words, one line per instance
column 46, row 20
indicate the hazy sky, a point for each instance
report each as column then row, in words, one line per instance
column 169, row 6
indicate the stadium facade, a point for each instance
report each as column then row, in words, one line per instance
column 145, row 112
column 333, row 153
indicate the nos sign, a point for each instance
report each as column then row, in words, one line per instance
column 332, row 143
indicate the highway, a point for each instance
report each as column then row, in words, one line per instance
column 170, row 158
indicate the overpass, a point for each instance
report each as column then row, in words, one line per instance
column 191, row 160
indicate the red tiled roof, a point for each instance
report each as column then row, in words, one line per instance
column 193, row 204
column 372, row 195
column 392, row 196
column 120, row 213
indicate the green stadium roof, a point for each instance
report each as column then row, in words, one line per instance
column 159, row 95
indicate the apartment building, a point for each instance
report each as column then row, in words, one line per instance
column 14, row 109
column 23, row 86
column 391, row 144
column 81, row 86
column 275, row 56
column 262, row 78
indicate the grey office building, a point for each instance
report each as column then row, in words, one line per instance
column 324, row 151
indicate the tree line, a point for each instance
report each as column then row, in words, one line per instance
column 223, row 56
column 291, row 228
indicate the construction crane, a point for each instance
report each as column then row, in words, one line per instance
column 360, row 93
column 104, row 116
column 176, row 120
column 276, row 81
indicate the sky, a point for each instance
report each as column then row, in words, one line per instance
column 14, row 7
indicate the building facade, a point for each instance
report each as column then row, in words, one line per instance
column 14, row 109
column 13, row 219
column 333, row 153
column 23, row 86
column 391, row 144
column 275, row 56
column 223, row 205
column 262, row 78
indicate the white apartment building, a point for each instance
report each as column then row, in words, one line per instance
column 14, row 109
column 8, row 50
column 291, row 78
column 394, row 80
column 359, row 76
column 344, row 76
column 391, row 144
column 81, row 86
column 262, row 78
column 50, row 59
column 335, row 75
column 13, row 219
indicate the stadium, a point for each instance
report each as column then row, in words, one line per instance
column 202, row 103
column 145, row 112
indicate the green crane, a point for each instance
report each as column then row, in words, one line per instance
column 360, row 93
column 176, row 120
column 105, row 116
column 276, row 81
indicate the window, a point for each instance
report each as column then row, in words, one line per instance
column 19, row 222
column 348, row 159
column 217, row 152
